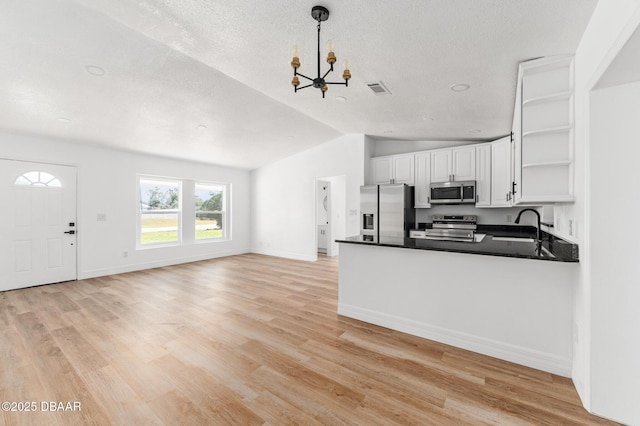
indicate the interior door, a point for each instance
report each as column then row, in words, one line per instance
column 37, row 224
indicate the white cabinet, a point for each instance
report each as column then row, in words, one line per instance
column 501, row 172
column 422, row 196
column 322, row 238
column 493, row 173
column 451, row 164
column 393, row 169
column 483, row 175
column 543, row 131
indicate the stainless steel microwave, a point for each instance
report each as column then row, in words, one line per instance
column 453, row 192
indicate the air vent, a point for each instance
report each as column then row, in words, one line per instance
column 378, row 88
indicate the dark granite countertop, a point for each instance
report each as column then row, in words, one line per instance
column 553, row 248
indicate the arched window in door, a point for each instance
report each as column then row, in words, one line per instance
column 36, row 178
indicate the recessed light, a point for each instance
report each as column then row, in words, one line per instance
column 460, row 87
column 95, row 70
column 341, row 98
column 63, row 120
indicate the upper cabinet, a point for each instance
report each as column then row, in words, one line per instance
column 543, row 132
column 483, row 175
column 453, row 164
column 422, row 196
column 393, row 169
column 493, row 173
column 501, row 172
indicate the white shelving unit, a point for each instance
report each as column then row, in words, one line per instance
column 544, row 132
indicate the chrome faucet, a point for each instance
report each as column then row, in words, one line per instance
column 538, row 240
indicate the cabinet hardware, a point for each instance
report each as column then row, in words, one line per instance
column 72, row 232
column 513, row 188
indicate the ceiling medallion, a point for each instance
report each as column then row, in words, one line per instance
column 320, row 14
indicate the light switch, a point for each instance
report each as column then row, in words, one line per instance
column 101, row 217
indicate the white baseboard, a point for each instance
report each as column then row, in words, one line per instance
column 505, row 351
column 157, row 264
column 285, row 254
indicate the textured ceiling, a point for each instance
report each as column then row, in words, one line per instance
column 210, row 80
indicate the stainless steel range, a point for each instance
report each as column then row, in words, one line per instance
column 449, row 228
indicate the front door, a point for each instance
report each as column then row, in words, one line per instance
column 37, row 224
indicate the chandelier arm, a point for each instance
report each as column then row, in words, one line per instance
column 331, row 82
column 304, row 87
column 327, row 73
column 302, row 75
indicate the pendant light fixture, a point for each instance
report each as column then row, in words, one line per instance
column 320, row 14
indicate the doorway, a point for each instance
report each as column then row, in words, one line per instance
column 330, row 213
column 38, row 224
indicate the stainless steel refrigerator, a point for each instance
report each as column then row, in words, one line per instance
column 386, row 211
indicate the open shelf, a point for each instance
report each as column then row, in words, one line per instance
column 558, row 129
column 553, row 97
column 547, row 164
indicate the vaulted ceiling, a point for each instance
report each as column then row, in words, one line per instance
column 209, row 80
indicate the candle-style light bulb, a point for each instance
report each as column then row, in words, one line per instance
column 331, row 57
column 346, row 75
column 295, row 62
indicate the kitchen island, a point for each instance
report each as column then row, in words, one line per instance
column 499, row 298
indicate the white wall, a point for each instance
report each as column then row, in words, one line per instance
column 284, row 197
column 615, row 266
column 107, row 185
column 610, row 26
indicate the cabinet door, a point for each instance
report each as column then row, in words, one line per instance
column 464, row 163
column 423, row 180
column 381, row 170
column 483, row 175
column 403, row 169
column 501, row 172
column 441, row 165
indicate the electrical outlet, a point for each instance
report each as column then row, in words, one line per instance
column 125, row 254
column 101, row 217
column 571, row 230
column 509, row 218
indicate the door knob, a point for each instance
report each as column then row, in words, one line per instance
column 72, row 232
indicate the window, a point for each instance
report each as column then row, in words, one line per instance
column 211, row 212
column 42, row 179
column 160, row 210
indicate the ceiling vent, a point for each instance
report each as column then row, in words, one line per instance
column 378, row 88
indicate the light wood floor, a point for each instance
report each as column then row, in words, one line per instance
column 247, row 340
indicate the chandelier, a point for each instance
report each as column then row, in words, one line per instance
column 320, row 14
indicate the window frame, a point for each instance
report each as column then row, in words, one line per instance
column 140, row 213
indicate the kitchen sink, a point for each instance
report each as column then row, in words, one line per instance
column 514, row 239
